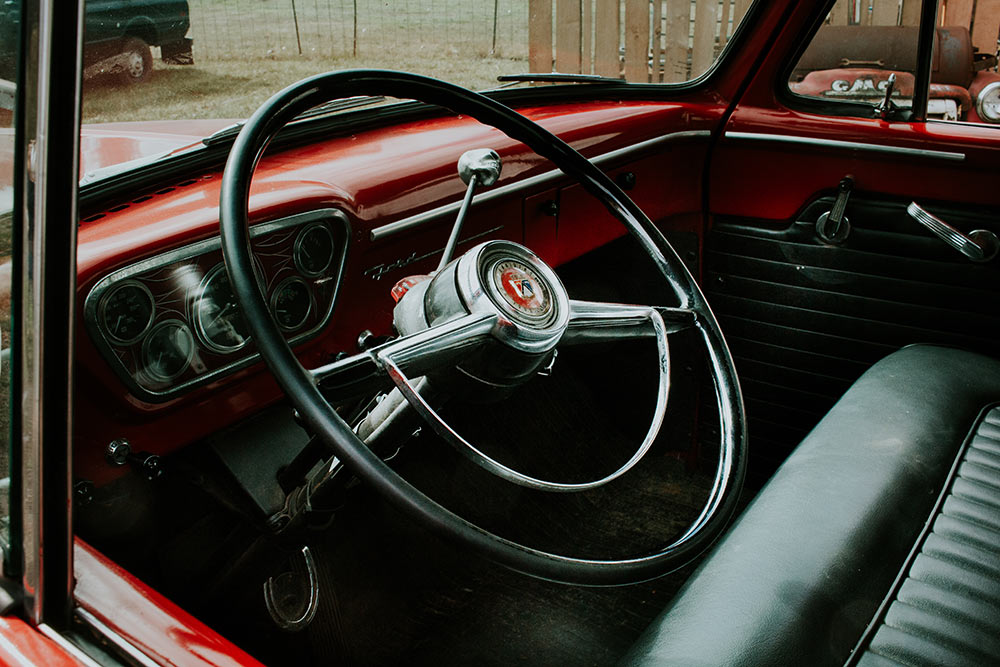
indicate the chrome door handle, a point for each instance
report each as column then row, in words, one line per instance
column 981, row 245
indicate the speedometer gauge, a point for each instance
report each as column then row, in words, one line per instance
column 291, row 303
column 126, row 312
column 313, row 250
column 167, row 351
column 217, row 318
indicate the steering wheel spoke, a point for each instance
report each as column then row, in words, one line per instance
column 597, row 321
column 416, row 355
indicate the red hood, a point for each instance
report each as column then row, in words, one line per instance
column 114, row 143
column 109, row 144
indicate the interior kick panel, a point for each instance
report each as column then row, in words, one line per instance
column 804, row 318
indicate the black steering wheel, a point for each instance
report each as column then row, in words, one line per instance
column 527, row 330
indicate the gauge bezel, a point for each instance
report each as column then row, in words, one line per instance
column 113, row 351
column 273, row 302
column 195, row 314
column 981, row 101
column 158, row 377
column 297, row 249
column 103, row 307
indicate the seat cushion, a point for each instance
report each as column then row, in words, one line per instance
column 946, row 610
column 805, row 569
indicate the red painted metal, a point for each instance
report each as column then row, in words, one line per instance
column 376, row 178
column 772, row 181
column 107, row 144
column 862, row 84
column 22, row 645
column 145, row 619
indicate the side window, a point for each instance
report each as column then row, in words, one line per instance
column 851, row 57
column 863, row 42
column 9, row 34
column 965, row 66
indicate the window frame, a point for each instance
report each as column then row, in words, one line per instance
column 43, row 294
column 848, row 109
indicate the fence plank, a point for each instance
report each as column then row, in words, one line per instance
column 911, row 12
column 606, row 32
column 985, row 25
column 839, row 13
column 656, row 75
column 885, row 12
column 637, row 40
column 540, row 35
column 724, row 24
column 568, row 36
column 703, row 49
column 959, row 12
column 675, row 53
column 740, row 8
column 588, row 36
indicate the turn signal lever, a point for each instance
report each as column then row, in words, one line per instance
column 478, row 167
column 981, row 245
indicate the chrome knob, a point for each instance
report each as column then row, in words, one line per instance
column 483, row 163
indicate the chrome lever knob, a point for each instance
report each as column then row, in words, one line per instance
column 981, row 245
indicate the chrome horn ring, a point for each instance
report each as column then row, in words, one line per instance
column 529, row 312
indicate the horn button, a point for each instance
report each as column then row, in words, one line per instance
column 505, row 280
column 523, row 295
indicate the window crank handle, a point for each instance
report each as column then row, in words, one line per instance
column 981, row 245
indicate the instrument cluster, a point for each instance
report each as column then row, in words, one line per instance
column 171, row 322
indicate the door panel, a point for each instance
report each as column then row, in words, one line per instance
column 805, row 318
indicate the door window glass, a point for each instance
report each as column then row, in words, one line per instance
column 9, row 48
column 856, row 50
column 966, row 64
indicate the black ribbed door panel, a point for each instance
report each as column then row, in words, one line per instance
column 805, row 319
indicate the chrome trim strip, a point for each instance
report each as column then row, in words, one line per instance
column 114, row 638
column 847, row 145
column 605, row 160
column 68, row 646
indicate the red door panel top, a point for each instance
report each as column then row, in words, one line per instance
column 145, row 619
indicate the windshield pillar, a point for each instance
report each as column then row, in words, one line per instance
column 46, row 282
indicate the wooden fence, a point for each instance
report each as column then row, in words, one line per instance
column 662, row 40
column 677, row 40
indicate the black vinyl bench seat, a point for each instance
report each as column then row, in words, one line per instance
column 876, row 543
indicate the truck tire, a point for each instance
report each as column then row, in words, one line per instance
column 138, row 61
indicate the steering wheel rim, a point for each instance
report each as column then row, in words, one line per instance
column 300, row 385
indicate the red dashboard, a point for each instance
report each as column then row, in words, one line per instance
column 150, row 276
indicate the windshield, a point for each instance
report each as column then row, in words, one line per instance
column 215, row 61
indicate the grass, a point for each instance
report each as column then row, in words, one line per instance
column 245, row 50
column 361, row 28
column 233, row 89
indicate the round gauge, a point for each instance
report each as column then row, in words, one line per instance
column 167, row 350
column 291, row 303
column 988, row 103
column 126, row 312
column 216, row 315
column 313, row 250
